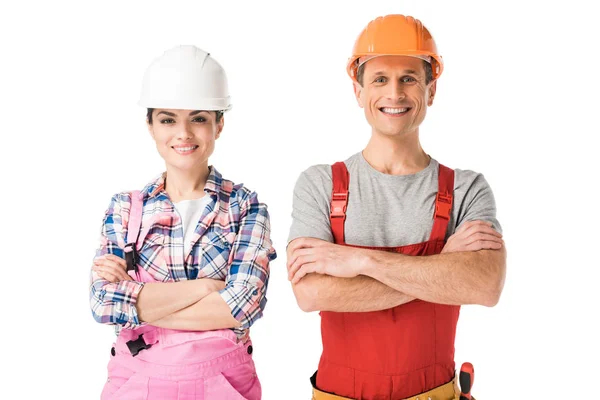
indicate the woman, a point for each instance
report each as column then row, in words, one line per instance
column 183, row 264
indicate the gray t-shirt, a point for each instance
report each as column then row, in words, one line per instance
column 387, row 210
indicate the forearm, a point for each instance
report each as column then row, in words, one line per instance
column 114, row 303
column 316, row 292
column 158, row 300
column 209, row 313
column 474, row 277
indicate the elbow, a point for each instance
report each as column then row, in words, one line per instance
column 306, row 296
column 491, row 298
column 496, row 291
column 98, row 307
column 97, row 317
column 491, row 295
column 101, row 318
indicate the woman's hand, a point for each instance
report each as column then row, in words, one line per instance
column 111, row 268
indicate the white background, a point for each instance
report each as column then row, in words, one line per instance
column 517, row 101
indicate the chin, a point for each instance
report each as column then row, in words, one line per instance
column 182, row 166
column 393, row 132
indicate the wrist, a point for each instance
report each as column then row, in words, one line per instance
column 368, row 263
column 379, row 261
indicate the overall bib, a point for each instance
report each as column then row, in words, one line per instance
column 395, row 353
column 151, row 363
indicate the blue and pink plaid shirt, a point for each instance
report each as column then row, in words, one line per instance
column 231, row 243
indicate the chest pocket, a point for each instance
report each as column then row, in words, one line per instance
column 213, row 250
column 151, row 256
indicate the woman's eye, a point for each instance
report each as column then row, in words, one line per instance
column 199, row 119
column 167, row 121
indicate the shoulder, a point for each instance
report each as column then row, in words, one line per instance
column 118, row 202
column 315, row 174
column 469, row 181
column 239, row 198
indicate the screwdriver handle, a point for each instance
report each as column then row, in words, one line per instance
column 466, row 379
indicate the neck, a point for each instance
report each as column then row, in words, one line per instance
column 186, row 184
column 401, row 155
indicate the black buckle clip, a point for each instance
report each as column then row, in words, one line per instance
column 131, row 257
column 137, row 345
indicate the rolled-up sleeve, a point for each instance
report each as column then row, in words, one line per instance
column 251, row 253
column 113, row 303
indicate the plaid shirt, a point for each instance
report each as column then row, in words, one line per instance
column 231, row 242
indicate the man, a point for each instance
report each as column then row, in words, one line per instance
column 389, row 244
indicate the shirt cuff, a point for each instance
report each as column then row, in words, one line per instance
column 244, row 303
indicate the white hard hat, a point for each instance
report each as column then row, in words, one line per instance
column 185, row 78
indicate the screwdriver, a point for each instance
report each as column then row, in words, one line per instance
column 466, row 379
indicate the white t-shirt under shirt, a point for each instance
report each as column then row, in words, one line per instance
column 190, row 212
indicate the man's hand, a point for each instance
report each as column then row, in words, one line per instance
column 473, row 236
column 111, row 268
column 307, row 255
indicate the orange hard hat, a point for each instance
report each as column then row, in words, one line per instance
column 395, row 35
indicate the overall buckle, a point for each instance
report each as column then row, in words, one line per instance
column 443, row 205
column 339, row 202
column 137, row 345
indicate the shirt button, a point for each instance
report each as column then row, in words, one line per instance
column 255, row 292
column 112, row 351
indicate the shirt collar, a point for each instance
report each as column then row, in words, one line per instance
column 157, row 185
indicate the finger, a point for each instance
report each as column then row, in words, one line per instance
column 108, row 276
column 298, row 243
column 305, row 269
column 118, row 260
column 298, row 253
column 487, row 229
column 115, row 270
column 466, row 225
column 299, row 262
column 107, row 266
column 306, row 242
column 484, row 245
column 112, row 264
column 481, row 237
column 480, row 229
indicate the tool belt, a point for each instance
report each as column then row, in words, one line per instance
column 449, row 391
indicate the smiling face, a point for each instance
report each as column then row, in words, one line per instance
column 395, row 94
column 185, row 139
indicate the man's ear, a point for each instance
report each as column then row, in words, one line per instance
column 432, row 90
column 357, row 92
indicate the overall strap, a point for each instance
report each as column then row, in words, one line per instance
column 443, row 203
column 339, row 200
column 133, row 230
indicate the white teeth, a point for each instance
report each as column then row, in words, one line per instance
column 185, row 148
column 394, row 110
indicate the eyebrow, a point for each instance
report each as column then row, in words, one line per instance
column 170, row 114
column 406, row 71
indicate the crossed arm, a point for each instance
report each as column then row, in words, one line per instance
column 187, row 305
column 330, row 277
column 200, row 304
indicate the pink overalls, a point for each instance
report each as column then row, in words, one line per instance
column 150, row 363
